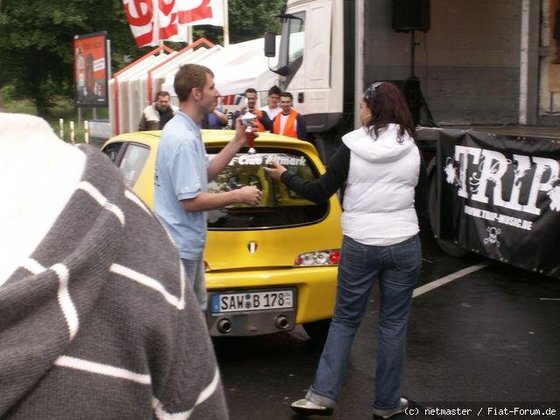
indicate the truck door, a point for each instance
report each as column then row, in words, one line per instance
column 309, row 54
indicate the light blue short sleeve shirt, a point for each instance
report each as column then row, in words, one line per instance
column 181, row 173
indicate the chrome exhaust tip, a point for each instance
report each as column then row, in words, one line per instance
column 281, row 322
column 224, row 325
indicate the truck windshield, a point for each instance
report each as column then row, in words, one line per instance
column 279, row 207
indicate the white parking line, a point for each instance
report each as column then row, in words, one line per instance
column 449, row 278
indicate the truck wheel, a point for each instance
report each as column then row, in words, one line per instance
column 317, row 331
column 450, row 248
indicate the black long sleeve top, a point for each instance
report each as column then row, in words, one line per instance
column 321, row 189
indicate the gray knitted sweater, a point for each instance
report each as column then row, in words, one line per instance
column 98, row 322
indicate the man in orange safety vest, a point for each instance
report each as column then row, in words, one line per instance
column 289, row 122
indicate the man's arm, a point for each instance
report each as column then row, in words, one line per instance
column 204, row 201
column 320, row 189
column 219, row 162
column 222, row 118
column 273, row 121
column 266, row 121
column 235, row 116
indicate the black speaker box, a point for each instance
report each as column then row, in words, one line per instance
column 411, row 15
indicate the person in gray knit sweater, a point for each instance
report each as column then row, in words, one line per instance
column 96, row 319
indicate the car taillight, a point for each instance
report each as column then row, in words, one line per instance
column 318, row 258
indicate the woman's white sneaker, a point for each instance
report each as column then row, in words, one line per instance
column 309, row 408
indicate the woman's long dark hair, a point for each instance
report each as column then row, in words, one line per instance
column 387, row 104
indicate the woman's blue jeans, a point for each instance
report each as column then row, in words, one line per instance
column 397, row 267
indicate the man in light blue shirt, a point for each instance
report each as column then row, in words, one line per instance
column 183, row 170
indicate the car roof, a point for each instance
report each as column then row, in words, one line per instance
column 219, row 138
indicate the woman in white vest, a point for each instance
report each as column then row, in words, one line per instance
column 378, row 166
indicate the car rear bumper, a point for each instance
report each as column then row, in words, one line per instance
column 314, row 296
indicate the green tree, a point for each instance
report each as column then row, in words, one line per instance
column 36, row 43
column 36, row 54
column 248, row 19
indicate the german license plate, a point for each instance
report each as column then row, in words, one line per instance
column 252, row 301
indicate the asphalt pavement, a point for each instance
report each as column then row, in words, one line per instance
column 484, row 345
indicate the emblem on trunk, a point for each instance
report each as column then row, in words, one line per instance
column 252, row 247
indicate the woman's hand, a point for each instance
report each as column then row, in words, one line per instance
column 275, row 170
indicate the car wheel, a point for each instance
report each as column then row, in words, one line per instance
column 450, row 248
column 318, row 331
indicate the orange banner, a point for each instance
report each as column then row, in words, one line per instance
column 91, row 69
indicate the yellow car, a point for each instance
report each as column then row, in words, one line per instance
column 268, row 267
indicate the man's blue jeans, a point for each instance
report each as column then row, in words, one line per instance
column 397, row 267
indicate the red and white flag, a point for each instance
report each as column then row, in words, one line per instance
column 152, row 21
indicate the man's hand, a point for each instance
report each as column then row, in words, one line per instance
column 240, row 132
column 249, row 195
column 220, row 161
column 240, row 128
column 275, row 170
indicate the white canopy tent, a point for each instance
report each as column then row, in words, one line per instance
column 127, row 93
column 160, row 76
column 236, row 68
column 247, row 67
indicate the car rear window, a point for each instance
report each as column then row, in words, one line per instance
column 280, row 207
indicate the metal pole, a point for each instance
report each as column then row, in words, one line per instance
column 86, row 131
column 61, row 128
column 524, row 64
column 72, row 133
column 359, row 31
column 226, row 23
column 412, row 53
column 190, row 36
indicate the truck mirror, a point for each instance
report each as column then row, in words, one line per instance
column 282, row 71
column 269, row 44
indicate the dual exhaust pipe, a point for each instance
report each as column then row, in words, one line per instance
column 224, row 325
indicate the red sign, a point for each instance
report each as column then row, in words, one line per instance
column 91, row 69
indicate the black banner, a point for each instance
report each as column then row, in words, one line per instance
column 499, row 196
